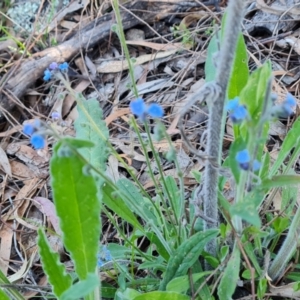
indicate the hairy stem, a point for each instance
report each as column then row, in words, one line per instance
column 287, row 249
column 211, row 176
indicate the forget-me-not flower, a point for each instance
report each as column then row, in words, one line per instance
column 238, row 112
column 104, row 256
column 288, row 104
column 64, row 66
column 140, row 109
column 53, row 66
column 37, row 139
column 47, row 75
column 243, row 159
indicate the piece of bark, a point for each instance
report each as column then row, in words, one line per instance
column 135, row 12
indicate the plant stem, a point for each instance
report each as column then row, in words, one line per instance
column 211, row 176
column 287, row 249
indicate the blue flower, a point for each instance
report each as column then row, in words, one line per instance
column 38, row 141
column 53, row 66
column 55, row 115
column 64, row 66
column 47, row 75
column 140, row 109
column 243, row 159
column 104, row 256
column 288, row 104
column 155, row 111
column 238, row 112
column 28, row 129
column 232, row 104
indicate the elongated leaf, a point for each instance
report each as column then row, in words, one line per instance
column 162, row 296
column 186, row 255
column 182, row 284
column 290, row 141
column 81, row 288
column 85, row 130
column 143, row 208
column 3, row 295
column 177, row 202
column 210, row 63
column 11, row 291
column 115, row 202
column 137, row 203
column 78, row 209
column 280, row 181
column 54, row 269
column 240, row 70
column 230, row 277
column 107, row 290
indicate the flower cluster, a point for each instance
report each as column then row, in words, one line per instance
column 238, row 112
column 141, row 110
column 243, row 159
column 37, row 139
column 104, row 256
column 54, row 67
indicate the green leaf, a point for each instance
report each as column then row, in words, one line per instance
column 210, row 63
column 142, row 206
column 240, row 70
column 107, row 290
column 253, row 94
column 115, row 202
column 290, row 141
column 88, row 130
column 162, row 296
column 54, row 269
column 230, row 277
column 3, row 295
column 280, row 181
column 177, row 202
column 81, row 288
column 182, row 284
column 262, row 288
column 247, row 210
column 11, row 291
column 78, row 209
column 186, row 255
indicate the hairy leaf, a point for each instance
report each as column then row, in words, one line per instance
column 78, row 209
column 54, row 269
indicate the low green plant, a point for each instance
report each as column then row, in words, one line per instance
column 196, row 248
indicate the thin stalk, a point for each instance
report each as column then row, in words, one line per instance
column 124, row 45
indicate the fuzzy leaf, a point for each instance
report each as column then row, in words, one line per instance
column 78, row 209
column 230, row 277
column 3, row 295
column 162, row 296
column 290, row 141
column 186, row 255
column 280, row 181
column 86, row 130
column 54, row 269
column 81, row 288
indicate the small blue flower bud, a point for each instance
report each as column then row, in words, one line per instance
column 64, row 66
column 138, row 107
column 53, row 66
column 155, row 111
column 238, row 112
column 37, row 141
column 47, row 75
column 28, row 129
